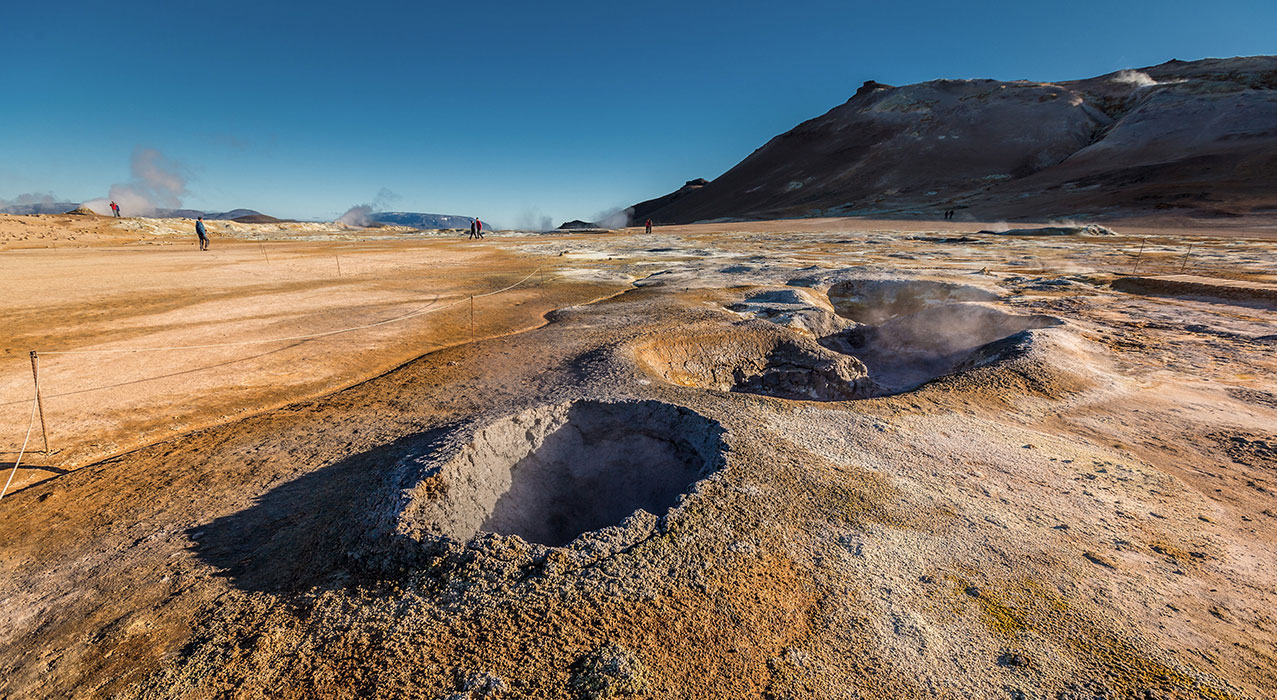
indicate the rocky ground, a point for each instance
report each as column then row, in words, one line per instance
column 817, row 459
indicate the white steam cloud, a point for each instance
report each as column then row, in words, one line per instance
column 361, row 214
column 531, row 219
column 158, row 183
column 1134, row 78
column 614, row 218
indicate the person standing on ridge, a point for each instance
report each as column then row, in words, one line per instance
column 199, row 231
column 649, row 225
column 115, row 209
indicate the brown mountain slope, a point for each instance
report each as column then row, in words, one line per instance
column 1196, row 136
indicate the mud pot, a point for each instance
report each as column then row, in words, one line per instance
column 551, row 474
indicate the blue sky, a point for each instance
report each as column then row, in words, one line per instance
column 509, row 111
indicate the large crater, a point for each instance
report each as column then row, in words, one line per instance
column 552, row 473
column 905, row 352
column 872, row 338
column 873, row 301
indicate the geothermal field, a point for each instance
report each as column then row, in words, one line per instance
column 817, row 458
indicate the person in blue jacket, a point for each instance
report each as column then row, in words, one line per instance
column 199, row 231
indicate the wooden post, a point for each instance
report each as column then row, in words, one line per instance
column 39, row 401
column 338, row 258
column 1138, row 256
column 472, row 317
column 1190, row 250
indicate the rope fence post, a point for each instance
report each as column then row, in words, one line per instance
column 39, row 401
column 338, row 259
column 472, row 317
column 1186, row 254
column 1138, row 256
column 264, row 255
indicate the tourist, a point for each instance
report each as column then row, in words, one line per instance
column 199, row 231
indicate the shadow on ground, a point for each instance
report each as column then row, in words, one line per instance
column 294, row 536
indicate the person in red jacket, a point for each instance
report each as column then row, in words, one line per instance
column 478, row 227
column 649, row 225
column 115, row 209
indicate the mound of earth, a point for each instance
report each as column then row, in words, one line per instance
column 1088, row 230
column 1194, row 287
column 578, row 225
column 1192, row 137
column 257, row 219
column 761, row 359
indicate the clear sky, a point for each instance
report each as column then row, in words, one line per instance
column 509, row 111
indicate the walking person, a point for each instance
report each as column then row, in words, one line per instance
column 478, row 227
column 472, row 231
column 649, row 225
column 115, row 209
column 199, row 231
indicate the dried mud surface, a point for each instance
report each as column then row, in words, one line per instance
column 1076, row 499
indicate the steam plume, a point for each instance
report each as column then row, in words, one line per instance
column 532, row 219
column 158, row 183
column 1134, row 78
column 615, row 218
column 361, row 214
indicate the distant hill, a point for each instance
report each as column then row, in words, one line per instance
column 234, row 214
column 1195, row 137
column 643, row 210
column 39, row 208
column 578, row 225
column 421, row 221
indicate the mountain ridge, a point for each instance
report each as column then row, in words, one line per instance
column 1195, row 137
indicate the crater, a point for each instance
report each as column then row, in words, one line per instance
column 908, row 351
column 875, row 301
column 551, row 474
column 883, row 337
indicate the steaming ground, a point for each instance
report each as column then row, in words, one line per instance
column 821, row 458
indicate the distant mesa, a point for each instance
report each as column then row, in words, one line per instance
column 421, row 221
column 578, row 225
column 257, row 219
column 40, row 208
column 1192, row 138
column 244, row 216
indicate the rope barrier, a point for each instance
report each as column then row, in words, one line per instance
column 35, row 400
column 411, row 314
column 428, row 308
